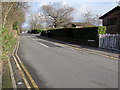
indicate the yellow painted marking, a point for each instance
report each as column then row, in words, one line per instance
column 26, row 71
column 89, row 51
column 92, row 52
column 12, row 74
column 21, row 72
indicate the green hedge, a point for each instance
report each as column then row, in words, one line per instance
column 36, row 31
column 43, row 33
column 102, row 30
column 81, row 33
column 78, row 35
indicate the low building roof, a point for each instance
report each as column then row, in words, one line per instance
column 116, row 8
column 80, row 24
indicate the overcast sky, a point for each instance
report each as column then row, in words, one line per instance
column 80, row 6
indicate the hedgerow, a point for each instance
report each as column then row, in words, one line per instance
column 82, row 33
column 78, row 35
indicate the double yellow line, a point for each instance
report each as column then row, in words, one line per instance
column 24, row 68
column 93, row 52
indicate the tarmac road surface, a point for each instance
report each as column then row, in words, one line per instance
column 57, row 66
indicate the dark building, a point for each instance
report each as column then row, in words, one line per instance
column 112, row 21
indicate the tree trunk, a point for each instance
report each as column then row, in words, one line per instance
column 5, row 17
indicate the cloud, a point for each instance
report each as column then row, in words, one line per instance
column 59, row 0
column 44, row 3
column 80, row 7
column 95, row 7
column 64, row 2
column 83, row 7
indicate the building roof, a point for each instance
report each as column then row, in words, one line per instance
column 80, row 24
column 116, row 8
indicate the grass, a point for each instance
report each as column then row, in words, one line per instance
column 8, row 43
column 6, row 79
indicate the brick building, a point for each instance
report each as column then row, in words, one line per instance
column 112, row 21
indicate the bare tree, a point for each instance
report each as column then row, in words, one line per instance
column 13, row 11
column 56, row 14
column 96, row 20
column 35, row 20
column 88, row 17
column 6, row 8
column 92, row 18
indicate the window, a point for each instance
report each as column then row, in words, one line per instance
column 112, row 21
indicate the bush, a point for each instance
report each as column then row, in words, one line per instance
column 102, row 29
column 36, row 31
column 16, row 26
column 8, row 42
column 78, row 34
column 43, row 33
column 86, row 33
column 82, row 33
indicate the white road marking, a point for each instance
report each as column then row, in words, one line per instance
column 39, row 42
column 58, row 44
column 44, row 45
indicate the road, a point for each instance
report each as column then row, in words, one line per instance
column 55, row 66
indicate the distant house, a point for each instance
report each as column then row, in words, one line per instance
column 77, row 24
column 112, row 21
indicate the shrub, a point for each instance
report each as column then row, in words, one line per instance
column 102, row 29
column 8, row 42
column 36, row 31
column 78, row 35
column 82, row 33
column 43, row 33
column 16, row 26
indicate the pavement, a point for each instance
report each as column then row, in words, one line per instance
column 55, row 65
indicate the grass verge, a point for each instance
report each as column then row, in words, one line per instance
column 8, row 43
column 7, row 82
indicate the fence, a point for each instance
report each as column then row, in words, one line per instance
column 109, row 41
